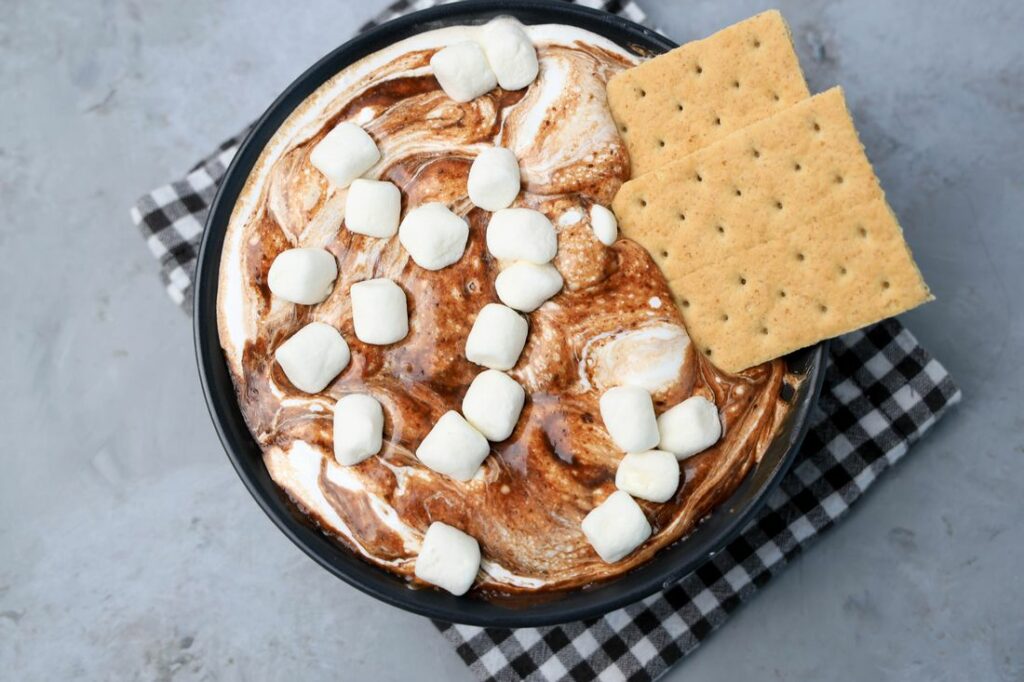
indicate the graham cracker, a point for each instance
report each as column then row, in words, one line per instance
column 700, row 92
column 775, row 237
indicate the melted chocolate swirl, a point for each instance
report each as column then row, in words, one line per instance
column 613, row 322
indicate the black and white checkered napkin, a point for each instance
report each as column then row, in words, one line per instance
column 882, row 392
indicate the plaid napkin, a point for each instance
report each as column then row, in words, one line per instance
column 882, row 392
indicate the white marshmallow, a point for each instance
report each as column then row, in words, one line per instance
column 510, row 53
column 344, row 154
column 358, row 428
column 303, row 276
column 525, row 286
column 373, row 207
column 448, row 558
column 616, row 527
column 604, row 224
column 493, row 404
column 433, row 235
column 497, row 337
column 570, row 217
column 453, row 447
column 380, row 314
column 313, row 356
column 651, row 475
column 521, row 234
column 463, row 71
column 690, row 427
column 493, row 179
column 628, row 414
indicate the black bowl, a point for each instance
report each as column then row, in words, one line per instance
column 666, row 568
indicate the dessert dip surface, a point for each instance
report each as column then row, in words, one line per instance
column 613, row 323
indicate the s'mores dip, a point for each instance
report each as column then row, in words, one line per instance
column 452, row 360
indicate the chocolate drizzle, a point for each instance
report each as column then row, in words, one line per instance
column 609, row 321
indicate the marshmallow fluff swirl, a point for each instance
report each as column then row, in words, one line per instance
column 613, row 323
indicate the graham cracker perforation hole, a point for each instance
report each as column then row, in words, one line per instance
column 679, row 106
column 886, row 284
column 707, row 352
column 757, row 43
column 861, row 231
column 664, row 253
column 698, row 69
column 721, row 230
column 643, row 203
column 738, row 192
column 736, row 85
column 698, row 177
column 743, row 281
column 764, row 331
column 756, row 153
column 661, row 143
column 800, row 257
column 775, row 97
column 823, row 308
column 838, row 179
column 682, row 216
column 842, row 270
column 718, row 121
column 816, row 126
column 725, row 317
column 778, row 205
column 782, row 293
column 797, row 167
column 642, row 92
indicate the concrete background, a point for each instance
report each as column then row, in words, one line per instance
column 128, row 549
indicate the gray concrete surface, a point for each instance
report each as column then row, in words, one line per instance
column 128, row 549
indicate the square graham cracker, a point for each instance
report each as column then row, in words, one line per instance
column 685, row 99
column 775, row 237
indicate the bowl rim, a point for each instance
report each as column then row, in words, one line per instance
column 667, row 567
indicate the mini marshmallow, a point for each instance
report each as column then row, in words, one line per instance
column 651, row 475
column 463, row 71
column 344, row 154
column 453, row 447
column 604, row 224
column 690, row 427
column 510, row 53
column 313, row 356
column 616, row 527
column 521, row 234
column 448, row 558
column 497, row 337
column 433, row 235
column 525, row 286
column 358, row 428
column 380, row 314
column 493, row 403
column 304, row 276
column 628, row 414
column 570, row 217
column 493, row 179
column 372, row 207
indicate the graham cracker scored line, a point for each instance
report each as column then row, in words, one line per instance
column 700, row 92
column 775, row 237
